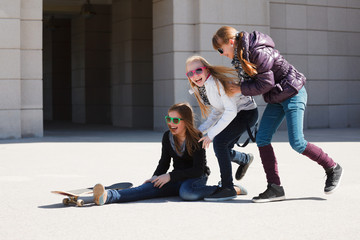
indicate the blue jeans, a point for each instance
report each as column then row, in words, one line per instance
column 293, row 109
column 190, row 189
column 226, row 139
column 195, row 189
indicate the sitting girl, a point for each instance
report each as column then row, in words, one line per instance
column 189, row 176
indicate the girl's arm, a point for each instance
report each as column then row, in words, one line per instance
column 164, row 162
column 227, row 116
column 213, row 117
column 263, row 81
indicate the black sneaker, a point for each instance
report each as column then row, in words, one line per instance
column 222, row 194
column 272, row 193
column 333, row 179
column 240, row 172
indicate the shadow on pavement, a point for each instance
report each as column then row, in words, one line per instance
column 54, row 206
column 177, row 199
column 306, row 198
column 60, row 205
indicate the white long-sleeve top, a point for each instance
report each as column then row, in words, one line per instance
column 224, row 108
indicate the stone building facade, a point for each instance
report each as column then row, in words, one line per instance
column 121, row 62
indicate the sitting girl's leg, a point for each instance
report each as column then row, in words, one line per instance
column 144, row 191
column 196, row 189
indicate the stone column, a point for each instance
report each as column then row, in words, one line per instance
column 31, row 68
column 174, row 40
column 91, row 67
column 48, row 28
column 57, row 69
column 10, row 76
column 78, row 69
column 132, row 64
column 21, row 75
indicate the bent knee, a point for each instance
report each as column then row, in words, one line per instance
column 261, row 142
column 219, row 141
column 188, row 195
column 298, row 146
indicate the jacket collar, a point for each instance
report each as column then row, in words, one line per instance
column 208, row 79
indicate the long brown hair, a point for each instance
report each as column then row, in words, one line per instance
column 222, row 36
column 192, row 134
column 225, row 75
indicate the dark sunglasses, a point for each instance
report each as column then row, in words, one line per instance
column 220, row 50
column 175, row 120
column 196, row 71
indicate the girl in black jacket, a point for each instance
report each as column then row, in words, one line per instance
column 189, row 176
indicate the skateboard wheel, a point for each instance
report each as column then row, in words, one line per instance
column 66, row 201
column 80, row 203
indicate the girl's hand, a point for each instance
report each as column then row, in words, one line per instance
column 151, row 179
column 206, row 142
column 161, row 180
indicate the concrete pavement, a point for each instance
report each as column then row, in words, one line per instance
column 75, row 156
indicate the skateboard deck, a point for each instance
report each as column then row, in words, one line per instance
column 73, row 196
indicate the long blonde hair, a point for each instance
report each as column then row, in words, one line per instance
column 192, row 134
column 222, row 36
column 225, row 75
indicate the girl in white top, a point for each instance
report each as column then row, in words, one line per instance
column 227, row 116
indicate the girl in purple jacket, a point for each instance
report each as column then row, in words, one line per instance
column 263, row 70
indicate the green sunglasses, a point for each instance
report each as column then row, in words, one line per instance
column 175, row 120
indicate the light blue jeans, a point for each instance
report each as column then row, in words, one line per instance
column 293, row 109
column 191, row 189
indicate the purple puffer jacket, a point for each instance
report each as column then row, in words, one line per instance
column 277, row 80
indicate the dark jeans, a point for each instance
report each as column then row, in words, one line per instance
column 190, row 189
column 226, row 139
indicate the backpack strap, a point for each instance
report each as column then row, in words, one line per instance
column 252, row 136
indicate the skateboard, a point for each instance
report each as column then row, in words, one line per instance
column 73, row 196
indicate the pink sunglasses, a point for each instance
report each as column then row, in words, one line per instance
column 196, row 71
